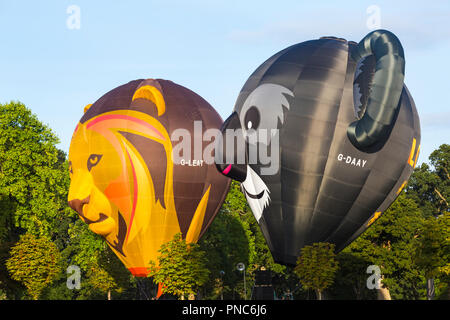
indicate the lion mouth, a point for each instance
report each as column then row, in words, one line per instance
column 88, row 221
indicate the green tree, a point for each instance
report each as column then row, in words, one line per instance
column 181, row 267
column 444, row 222
column 233, row 237
column 33, row 174
column 389, row 243
column 432, row 252
column 351, row 278
column 429, row 186
column 34, row 262
column 440, row 160
column 102, row 272
column 34, row 183
column 226, row 243
column 317, row 266
column 108, row 274
column 103, row 276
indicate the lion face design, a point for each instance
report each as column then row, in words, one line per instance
column 114, row 190
column 89, row 181
column 124, row 182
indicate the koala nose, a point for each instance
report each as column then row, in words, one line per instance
column 234, row 170
column 77, row 204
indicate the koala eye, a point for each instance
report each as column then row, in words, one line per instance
column 93, row 160
column 252, row 118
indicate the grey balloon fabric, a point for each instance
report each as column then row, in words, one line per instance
column 348, row 134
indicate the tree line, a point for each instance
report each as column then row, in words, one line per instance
column 41, row 237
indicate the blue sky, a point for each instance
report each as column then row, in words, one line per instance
column 209, row 46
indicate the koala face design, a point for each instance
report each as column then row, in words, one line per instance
column 340, row 140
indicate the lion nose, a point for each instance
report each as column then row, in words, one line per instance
column 77, row 204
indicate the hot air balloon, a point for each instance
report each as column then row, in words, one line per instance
column 323, row 137
column 129, row 183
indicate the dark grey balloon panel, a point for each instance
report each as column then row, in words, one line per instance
column 326, row 189
column 407, row 123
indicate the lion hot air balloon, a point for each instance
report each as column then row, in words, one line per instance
column 128, row 181
column 328, row 135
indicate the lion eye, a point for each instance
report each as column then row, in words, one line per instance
column 93, row 160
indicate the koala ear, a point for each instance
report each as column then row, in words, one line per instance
column 375, row 125
column 86, row 108
column 151, row 93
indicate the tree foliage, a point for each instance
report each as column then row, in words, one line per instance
column 429, row 186
column 234, row 237
column 103, row 272
column 389, row 243
column 410, row 241
column 34, row 183
column 317, row 266
column 33, row 173
column 432, row 253
column 351, row 278
column 181, row 267
column 226, row 244
column 34, row 262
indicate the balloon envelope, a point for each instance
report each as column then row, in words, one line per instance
column 137, row 170
column 339, row 135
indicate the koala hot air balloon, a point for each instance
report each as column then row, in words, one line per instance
column 125, row 183
column 325, row 135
